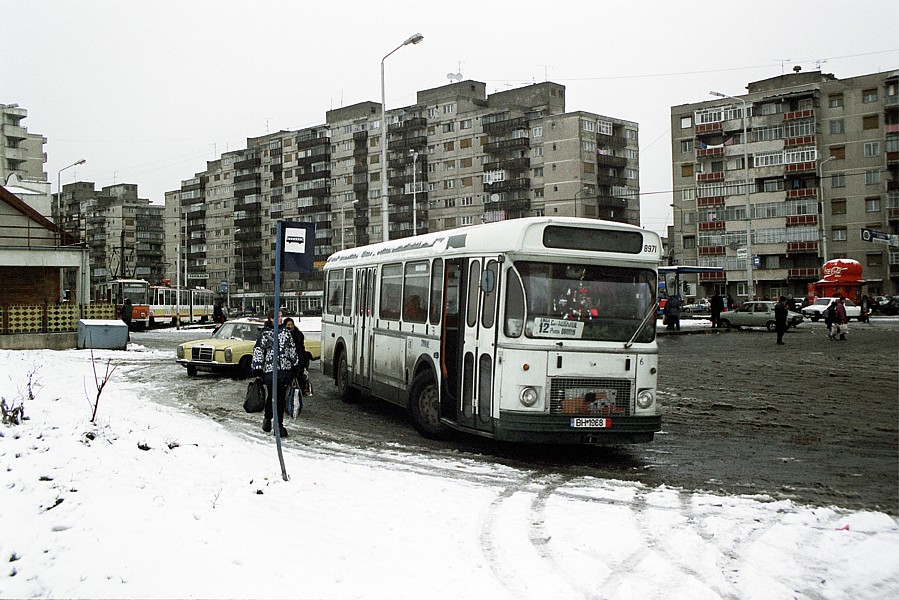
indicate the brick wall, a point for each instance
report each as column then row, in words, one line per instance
column 29, row 285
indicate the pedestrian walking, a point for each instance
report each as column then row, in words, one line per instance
column 263, row 365
column 218, row 314
column 717, row 307
column 830, row 318
column 127, row 313
column 842, row 321
column 301, row 370
column 672, row 313
column 780, row 319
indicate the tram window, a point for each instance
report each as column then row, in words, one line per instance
column 347, row 293
column 391, row 291
column 436, row 291
column 335, row 291
column 415, row 292
column 474, row 278
column 514, row 305
column 488, row 316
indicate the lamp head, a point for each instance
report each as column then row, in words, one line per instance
column 719, row 94
column 414, row 39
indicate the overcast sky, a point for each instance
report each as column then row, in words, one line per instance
column 148, row 92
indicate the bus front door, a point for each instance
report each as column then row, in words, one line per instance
column 363, row 336
column 478, row 317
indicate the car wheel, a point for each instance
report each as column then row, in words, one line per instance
column 424, row 406
column 245, row 368
column 191, row 371
column 815, row 317
column 724, row 323
column 771, row 326
column 346, row 392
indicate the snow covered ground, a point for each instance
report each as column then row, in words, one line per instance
column 154, row 501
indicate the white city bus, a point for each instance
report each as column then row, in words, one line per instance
column 530, row 330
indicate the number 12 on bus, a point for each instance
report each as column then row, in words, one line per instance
column 528, row 330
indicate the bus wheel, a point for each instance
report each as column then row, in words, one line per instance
column 342, row 380
column 424, row 406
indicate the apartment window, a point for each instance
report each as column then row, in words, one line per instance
column 537, row 132
column 835, row 100
column 837, row 126
column 838, row 206
column 875, row 260
column 465, row 124
column 468, row 200
column 465, row 162
column 432, row 112
column 838, row 180
column 604, row 127
column 449, row 146
column 872, row 176
column 686, row 170
column 839, row 234
column 589, row 167
column 872, row 148
column 870, row 122
column 449, row 165
column 872, row 204
column 838, row 152
column 449, row 109
column 466, row 220
column 449, row 184
column 686, row 122
column 689, row 242
column 465, row 143
column 449, row 127
column 466, row 182
column 630, row 153
column 589, row 146
column 449, row 202
column 869, row 95
column 630, row 173
column 538, row 193
column 537, row 151
column 686, row 146
column 688, row 194
column 538, row 172
column 892, row 143
column 588, row 125
column 630, row 134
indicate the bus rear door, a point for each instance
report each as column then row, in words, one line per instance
column 363, row 335
column 481, row 290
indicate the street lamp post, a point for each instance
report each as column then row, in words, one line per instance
column 59, row 180
column 414, row 191
column 384, row 204
column 749, row 256
column 580, row 191
column 821, row 210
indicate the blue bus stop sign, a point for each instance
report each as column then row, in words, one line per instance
column 223, row 286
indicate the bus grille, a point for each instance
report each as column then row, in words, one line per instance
column 587, row 396
column 202, row 353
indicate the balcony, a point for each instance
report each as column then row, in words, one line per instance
column 508, row 186
column 706, row 177
column 248, row 163
column 808, row 113
column 805, row 273
column 514, row 205
column 510, row 164
column 308, row 141
column 612, row 141
column 802, row 193
column 505, row 145
column 310, row 175
column 607, row 160
column 403, row 144
column 802, row 247
column 14, row 131
column 706, row 128
column 506, row 125
column 713, row 277
column 893, row 214
column 316, row 192
column 711, row 201
column 800, row 220
column 712, row 250
column 610, row 180
column 712, row 226
column 804, row 140
column 891, row 128
column 409, row 124
column 247, row 177
column 892, row 158
column 709, row 152
column 611, row 202
column 803, row 167
column 360, row 221
column 314, row 209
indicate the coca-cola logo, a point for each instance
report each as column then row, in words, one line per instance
column 834, row 270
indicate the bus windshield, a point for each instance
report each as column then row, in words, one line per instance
column 136, row 292
column 580, row 301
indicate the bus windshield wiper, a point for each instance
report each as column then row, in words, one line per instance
column 652, row 311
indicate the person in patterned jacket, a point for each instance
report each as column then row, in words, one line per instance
column 263, row 366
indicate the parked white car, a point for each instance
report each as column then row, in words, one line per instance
column 817, row 310
column 759, row 313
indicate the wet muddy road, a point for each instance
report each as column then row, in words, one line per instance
column 814, row 421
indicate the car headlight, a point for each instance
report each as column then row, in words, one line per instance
column 645, row 399
column 228, row 355
column 180, row 352
column 528, row 396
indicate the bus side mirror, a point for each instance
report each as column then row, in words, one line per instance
column 488, row 281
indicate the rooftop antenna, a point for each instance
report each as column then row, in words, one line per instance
column 545, row 71
column 820, row 62
column 782, row 61
column 457, row 76
column 267, row 119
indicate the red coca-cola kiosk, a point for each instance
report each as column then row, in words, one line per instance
column 839, row 277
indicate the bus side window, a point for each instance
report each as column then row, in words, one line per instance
column 348, row 292
column 415, row 292
column 488, row 316
column 474, row 288
column 436, row 291
column 514, row 305
column 391, row 291
column 335, row 291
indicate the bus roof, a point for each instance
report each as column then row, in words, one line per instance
column 492, row 238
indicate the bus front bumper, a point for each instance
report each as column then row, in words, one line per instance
column 560, row 429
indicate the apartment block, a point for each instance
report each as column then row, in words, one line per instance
column 20, row 152
column 456, row 157
column 817, row 164
column 124, row 233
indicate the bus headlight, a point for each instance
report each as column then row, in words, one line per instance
column 180, row 352
column 228, row 354
column 528, row 396
column 645, row 399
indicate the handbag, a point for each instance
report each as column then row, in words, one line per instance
column 255, row 400
column 294, row 398
column 664, row 319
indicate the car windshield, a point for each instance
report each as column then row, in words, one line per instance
column 822, row 301
column 577, row 301
column 236, row 331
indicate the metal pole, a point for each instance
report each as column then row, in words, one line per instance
column 414, row 190
column 749, row 258
column 821, row 209
column 385, row 236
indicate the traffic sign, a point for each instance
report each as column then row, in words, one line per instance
column 223, row 286
column 879, row 237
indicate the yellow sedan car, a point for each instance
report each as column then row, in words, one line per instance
column 230, row 349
